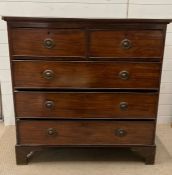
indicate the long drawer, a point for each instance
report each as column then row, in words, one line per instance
column 86, row 105
column 61, row 132
column 52, row 74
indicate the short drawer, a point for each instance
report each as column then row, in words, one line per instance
column 51, row 74
column 126, row 44
column 86, row 105
column 48, row 42
column 85, row 132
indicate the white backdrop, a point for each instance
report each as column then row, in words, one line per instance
column 88, row 9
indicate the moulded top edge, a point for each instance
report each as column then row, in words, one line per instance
column 117, row 20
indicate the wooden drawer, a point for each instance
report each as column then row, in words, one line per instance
column 85, row 105
column 47, row 74
column 126, row 43
column 48, row 42
column 85, row 132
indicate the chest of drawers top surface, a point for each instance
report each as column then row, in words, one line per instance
column 86, row 82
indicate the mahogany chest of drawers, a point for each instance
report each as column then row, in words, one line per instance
column 86, row 83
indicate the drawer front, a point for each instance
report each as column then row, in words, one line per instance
column 86, row 105
column 126, row 44
column 48, row 42
column 47, row 74
column 85, row 132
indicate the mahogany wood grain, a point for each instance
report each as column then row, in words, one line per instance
column 144, row 43
column 82, row 74
column 85, row 132
column 85, row 105
column 28, row 74
column 30, row 41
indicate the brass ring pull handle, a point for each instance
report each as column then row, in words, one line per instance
column 120, row 132
column 123, row 106
column 124, row 75
column 48, row 74
column 126, row 44
column 48, row 43
column 51, row 131
column 49, row 104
